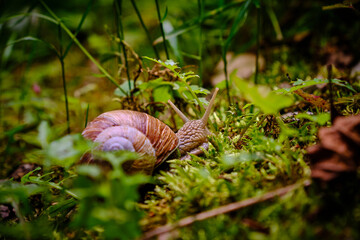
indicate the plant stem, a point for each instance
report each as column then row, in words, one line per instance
column 120, row 33
column 82, row 48
column 79, row 26
column 274, row 22
column 258, row 20
column 162, row 28
column 226, row 76
column 145, row 28
column 333, row 112
column 201, row 13
column 87, row 115
column 223, row 54
column 63, row 79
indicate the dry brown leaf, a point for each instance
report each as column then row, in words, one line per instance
column 338, row 151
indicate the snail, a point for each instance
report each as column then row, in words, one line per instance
column 148, row 136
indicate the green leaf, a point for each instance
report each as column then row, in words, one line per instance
column 336, row 6
column 162, row 94
column 89, row 170
column 44, row 134
column 98, row 75
column 125, row 87
column 30, row 38
column 14, row 191
column 188, row 75
column 79, row 26
column 248, row 105
column 194, row 22
column 238, row 22
column 199, row 90
column 321, row 118
column 60, row 207
column 26, row 177
column 221, row 85
column 262, row 96
column 66, row 151
column 165, row 14
column 152, row 84
column 42, row 16
column 170, row 64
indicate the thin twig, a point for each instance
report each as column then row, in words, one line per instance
column 224, row 209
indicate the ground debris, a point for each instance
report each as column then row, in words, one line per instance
column 338, row 151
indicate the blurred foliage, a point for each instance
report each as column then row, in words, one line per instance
column 90, row 56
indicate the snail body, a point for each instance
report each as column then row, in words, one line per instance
column 148, row 136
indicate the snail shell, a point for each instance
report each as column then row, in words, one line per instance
column 146, row 135
column 133, row 131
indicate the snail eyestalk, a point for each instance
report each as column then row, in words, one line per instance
column 205, row 118
column 181, row 115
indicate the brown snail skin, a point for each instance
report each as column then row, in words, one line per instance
column 148, row 136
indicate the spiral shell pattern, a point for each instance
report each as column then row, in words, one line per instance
column 161, row 137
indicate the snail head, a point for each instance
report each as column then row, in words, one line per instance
column 194, row 132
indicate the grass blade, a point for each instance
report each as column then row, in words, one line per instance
column 87, row 115
column 193, row 23
column 27, row 14
column 82, row 48
column 120, row 34
column 238, row 22
column 63, row 78
column 162, row 28
column 258, row 26
column 145, row 28
column 274, row 22
column 30, row 38
column 201, row 13
column 79, row 26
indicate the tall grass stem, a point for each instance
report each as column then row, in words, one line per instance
column 87, row 115
column 145, row 28
column 63, row 77
column 333, row 112
column 201, row 13
column 120, row 34
column 162, row 28
column 82, row 48
column 79, row 26
column 258, row 26
column 226, row 76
